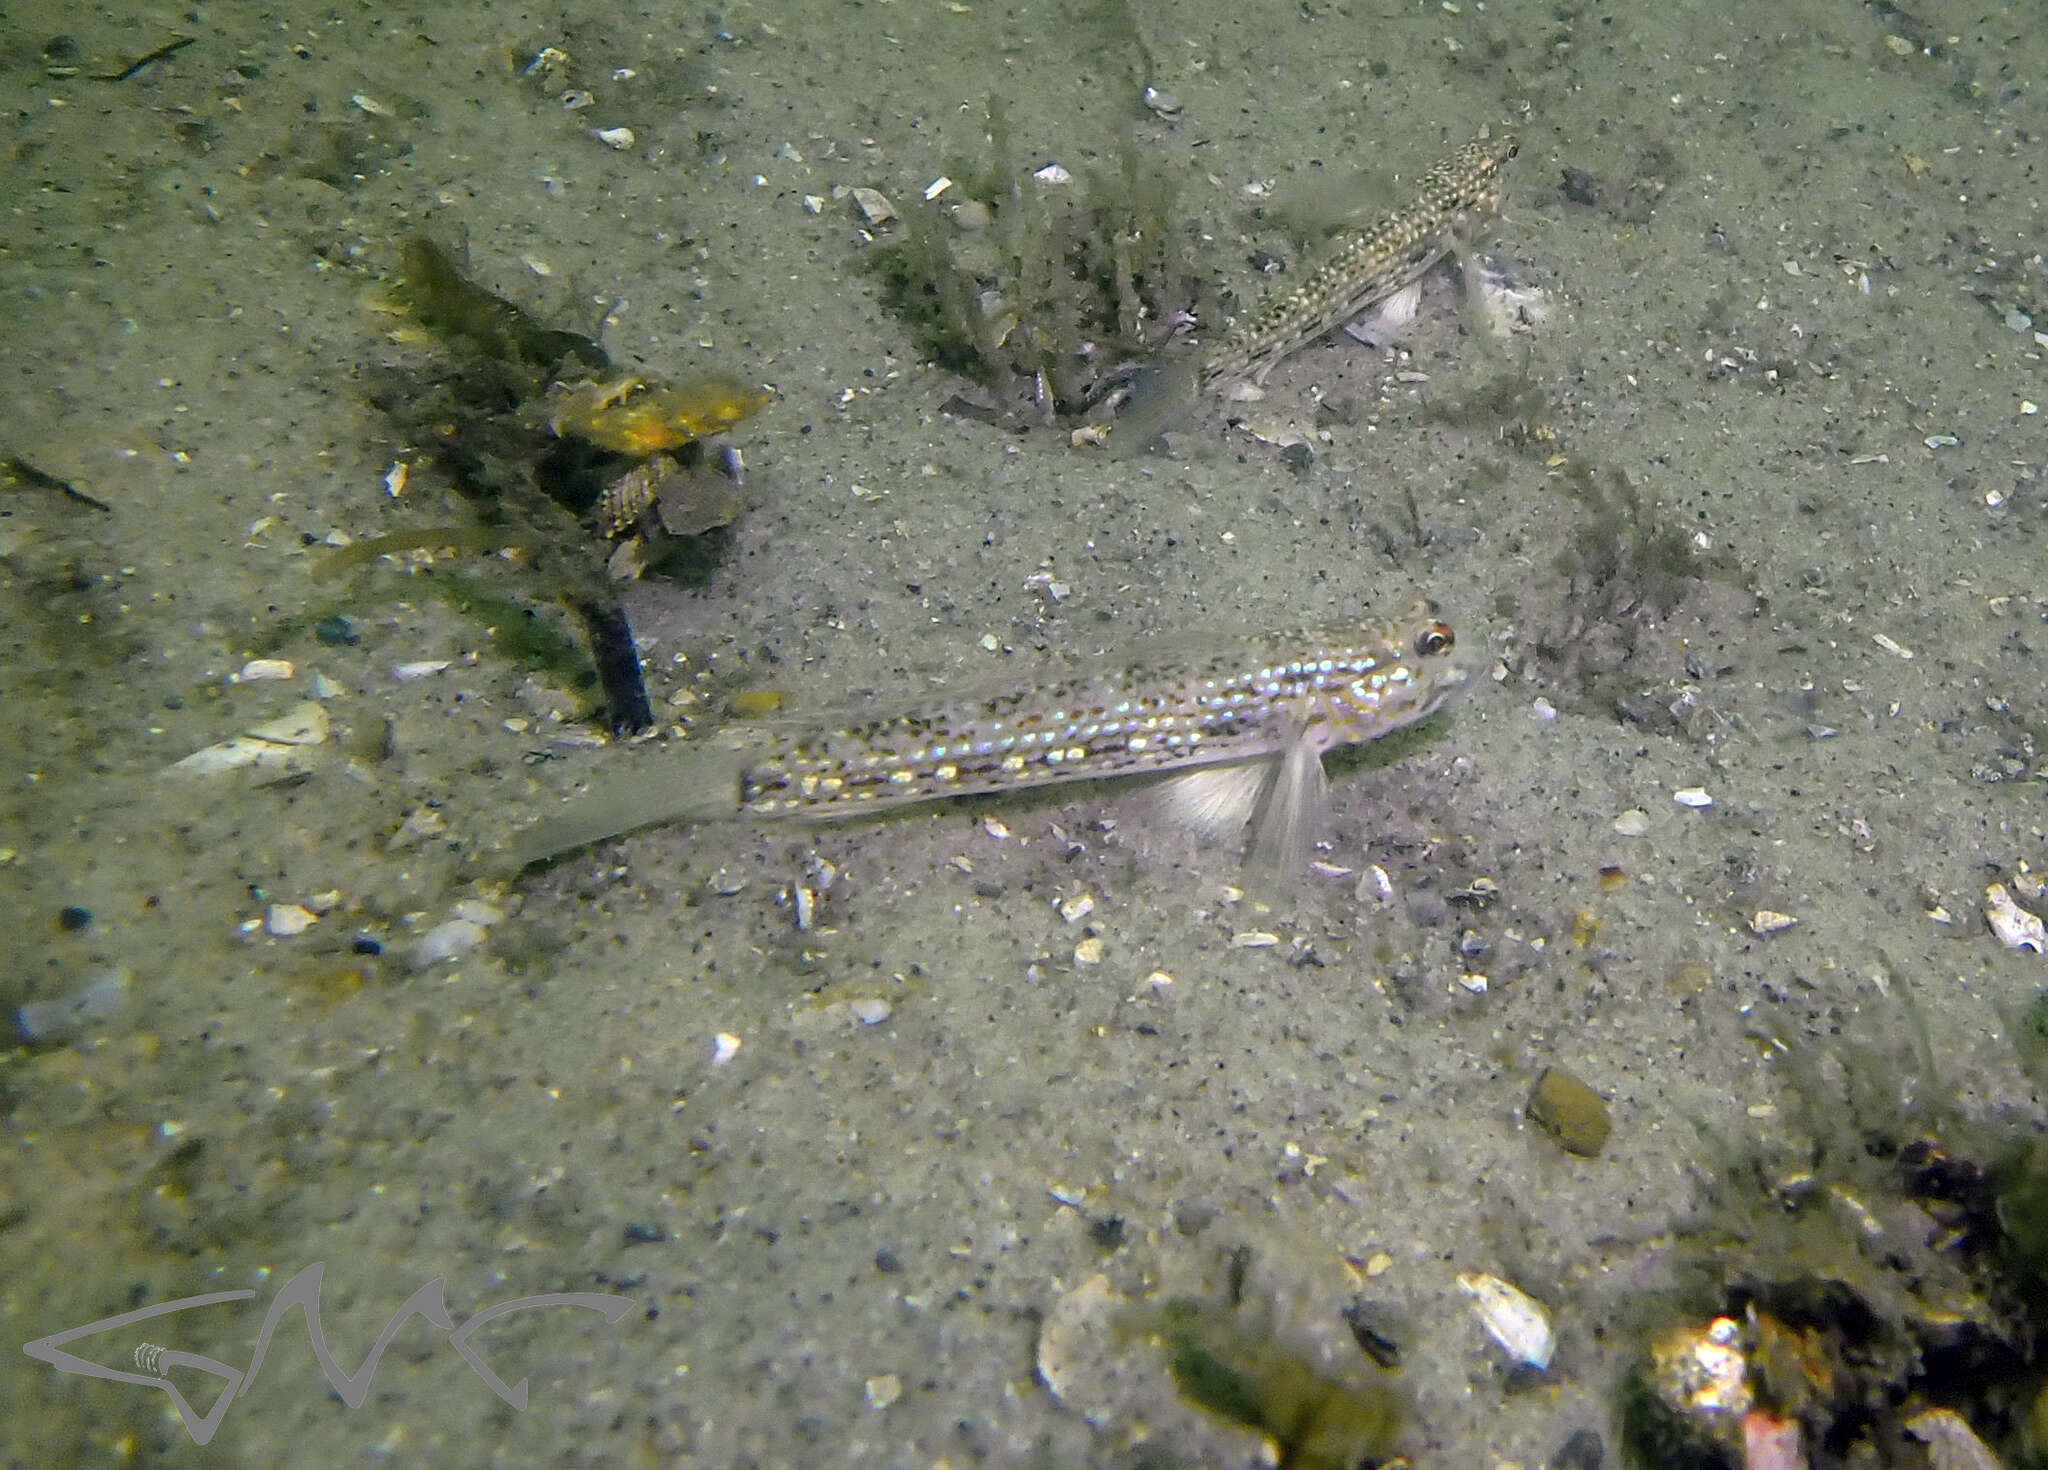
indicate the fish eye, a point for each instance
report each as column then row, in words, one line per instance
column 1434, row 639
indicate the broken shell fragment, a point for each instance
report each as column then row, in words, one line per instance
column 1164, row 104
column 1766, row 922
column 1513, row 1318
column 1951, row 1443
column 874, row 205
column 274, row 751
column 2014, row 926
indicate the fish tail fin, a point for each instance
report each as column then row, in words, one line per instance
column 696, row 786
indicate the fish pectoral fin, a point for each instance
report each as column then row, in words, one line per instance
column 1216, row 802
column 1292, row 814
column 1379, row 325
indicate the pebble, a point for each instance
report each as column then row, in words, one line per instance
column 883, row 1390
column 337, row 632
column 71, row 918
column 870, row 1010
column 1570, row 1112
column 1693, row 796
column 258, row 669
column 1632, row 823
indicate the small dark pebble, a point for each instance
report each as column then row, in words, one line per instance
column 1107, row 1231
column 639, row 1234
column 174, row 701
column 364, row 944
column 62, row 48
column 888, row 1262
column 71, row 918
column 1580, row 187
column 337, row 632
column 1193, row 1219
column 1583, row 1451
column 1299, row 457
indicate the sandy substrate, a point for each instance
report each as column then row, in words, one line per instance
column 1783, row 283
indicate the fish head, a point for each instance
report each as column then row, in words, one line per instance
column 1407, row 670
column 1472, row 183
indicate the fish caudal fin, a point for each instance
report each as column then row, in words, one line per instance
column 695, row 786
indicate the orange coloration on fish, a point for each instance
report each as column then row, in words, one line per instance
column 635, row 415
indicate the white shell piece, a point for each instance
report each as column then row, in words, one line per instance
column 1052, row 173
column 1693, row 796
column 870, row 1010
column 874, row 205
column 287, row 919
column 446, row 941
column 1067, row 1349
column 2014, row 926
column 1513, row 1318
column 1770, row 921
column 273, row 750
column 1951, row 1444
column 424, row 668
column 256, row 670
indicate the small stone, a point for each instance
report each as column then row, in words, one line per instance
column 337, row 632
column 1693, row 796
column 256, row 670
column 1632, row 823
column 1089, row 951
column 1766, row 922
column 71, row 918
column 884, row 1390
column 1570, row 1112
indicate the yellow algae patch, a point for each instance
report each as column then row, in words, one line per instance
column 635, row 415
